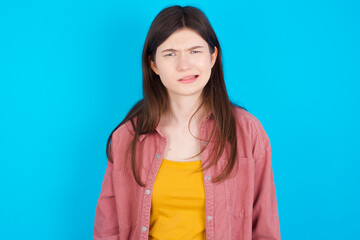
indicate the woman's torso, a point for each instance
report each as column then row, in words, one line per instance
column 229, row 204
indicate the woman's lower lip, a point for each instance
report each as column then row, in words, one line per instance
column 190, row 80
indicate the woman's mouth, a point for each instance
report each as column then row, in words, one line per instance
column 189, row 79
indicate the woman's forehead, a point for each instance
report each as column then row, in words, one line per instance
column 183, row 39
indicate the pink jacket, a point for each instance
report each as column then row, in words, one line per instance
column 241, row 207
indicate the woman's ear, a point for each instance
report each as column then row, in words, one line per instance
column 153, row 66
column 214, row 56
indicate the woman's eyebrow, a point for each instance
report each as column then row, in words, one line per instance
column 174, row 50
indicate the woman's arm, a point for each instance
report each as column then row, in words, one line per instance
column 265, row 213
column 106, row 222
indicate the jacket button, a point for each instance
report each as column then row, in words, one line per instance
column 143, row 229
column 207, row 178
column 158, row 155
column 147, row 191
column 209, row 218
column 203, row 143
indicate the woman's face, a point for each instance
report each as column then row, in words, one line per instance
column 183, row 62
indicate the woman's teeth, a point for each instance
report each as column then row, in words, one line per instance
column 190, row 77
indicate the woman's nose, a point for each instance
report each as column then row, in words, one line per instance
column 183, row 63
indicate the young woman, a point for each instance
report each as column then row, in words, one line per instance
column 186, row 163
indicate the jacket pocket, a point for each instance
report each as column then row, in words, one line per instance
column 126, row 195
column 239, row 189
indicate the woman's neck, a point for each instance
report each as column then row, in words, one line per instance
column 180, row 111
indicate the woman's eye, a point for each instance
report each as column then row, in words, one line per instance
column 170, row 54
column 194, row 51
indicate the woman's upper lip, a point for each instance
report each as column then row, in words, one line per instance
column 188, row 76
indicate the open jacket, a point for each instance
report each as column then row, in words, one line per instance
column 242, row 207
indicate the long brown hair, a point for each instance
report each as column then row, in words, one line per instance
column 148, row 111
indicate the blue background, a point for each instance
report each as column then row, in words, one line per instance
column 70, row 71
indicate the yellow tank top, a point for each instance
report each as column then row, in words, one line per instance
column 178, row 202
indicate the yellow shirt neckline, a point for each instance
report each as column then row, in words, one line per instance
column 181, row 163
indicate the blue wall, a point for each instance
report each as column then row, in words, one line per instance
column 70, row 71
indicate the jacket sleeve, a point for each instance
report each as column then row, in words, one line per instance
column 106, row 222
column 265, row 220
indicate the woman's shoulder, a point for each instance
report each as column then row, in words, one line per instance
column 124, row 131
column 242, row 116
column 252, row 128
